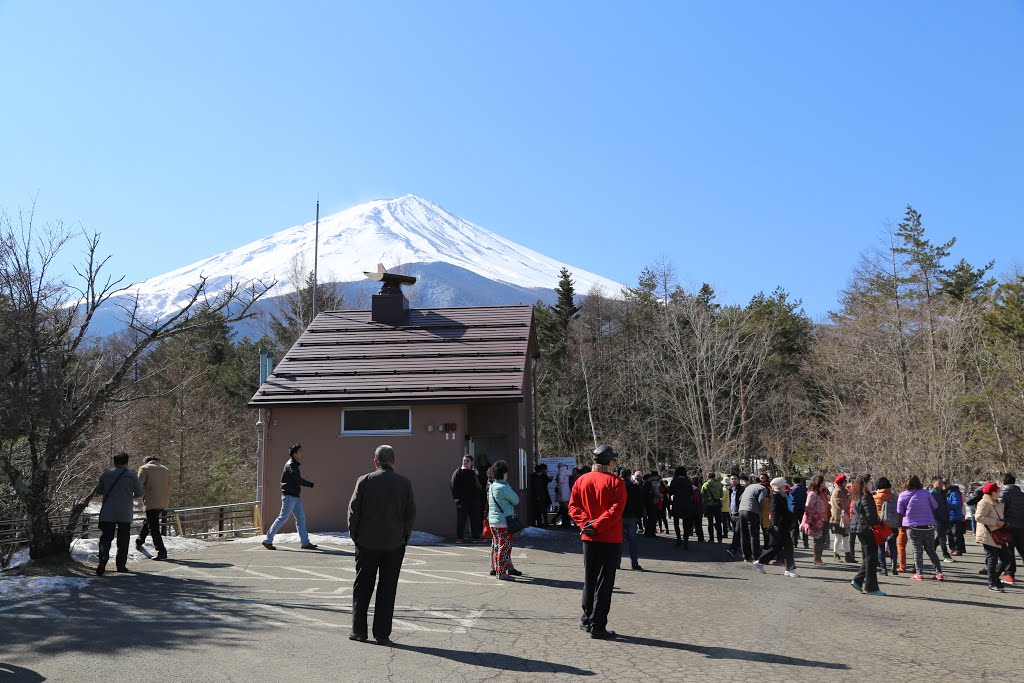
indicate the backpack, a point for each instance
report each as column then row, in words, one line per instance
column 891, row 518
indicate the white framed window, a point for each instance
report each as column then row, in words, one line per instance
column 376, row 421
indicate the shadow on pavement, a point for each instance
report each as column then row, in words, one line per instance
column 495, row 660
column 551, row 583
column 966, row 603
column 12, row 673
column 131, row 612
column 714, row 652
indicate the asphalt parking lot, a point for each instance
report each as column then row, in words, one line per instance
column 238, row 612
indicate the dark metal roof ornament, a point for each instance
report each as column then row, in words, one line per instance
column 389, row 305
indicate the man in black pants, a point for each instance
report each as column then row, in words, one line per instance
column 466, row 493
column 118, row 486
column 380, row 518
column 596, row 505
column 736, row 486
column 1013, row 514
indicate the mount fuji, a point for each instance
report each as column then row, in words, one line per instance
column 457, row 262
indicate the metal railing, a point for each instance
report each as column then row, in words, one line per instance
column 233, row 519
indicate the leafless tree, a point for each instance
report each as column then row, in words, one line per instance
column 55, row 382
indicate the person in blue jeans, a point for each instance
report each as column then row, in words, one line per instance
column 291, row 502
column 630, row 517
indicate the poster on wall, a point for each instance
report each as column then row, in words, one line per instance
column 552, row 465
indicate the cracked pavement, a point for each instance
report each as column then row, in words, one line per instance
column 238, row 612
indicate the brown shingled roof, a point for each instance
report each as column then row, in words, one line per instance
column 441, row 354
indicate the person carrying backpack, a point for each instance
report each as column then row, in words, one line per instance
column 886, row 504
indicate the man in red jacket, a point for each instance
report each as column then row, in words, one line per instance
column 596, row 505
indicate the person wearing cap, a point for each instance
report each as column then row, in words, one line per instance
column 380, row 518
column 989, row 514
column 840, row 506
column 781, row 521
column 917, row 507
column 119, row 486
column 596, row 505
column 156, row 485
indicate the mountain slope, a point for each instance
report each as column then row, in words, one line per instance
column 407, row 230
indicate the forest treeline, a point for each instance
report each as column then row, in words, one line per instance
column 919, row 369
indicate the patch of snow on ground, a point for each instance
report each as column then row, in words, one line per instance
column 21, row 587
column 540, row 532
column 87, row 550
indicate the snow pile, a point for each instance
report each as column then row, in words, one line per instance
column 20, row 587
column 336, row 538
column 409, row 229
column 540, row 532
column 87, row 550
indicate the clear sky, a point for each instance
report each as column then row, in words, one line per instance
column 752, row 144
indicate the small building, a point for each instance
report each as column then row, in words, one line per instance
column 433, row 383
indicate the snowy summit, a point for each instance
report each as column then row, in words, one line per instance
column 406, row 230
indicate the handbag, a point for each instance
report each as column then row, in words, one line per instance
column 881, row 532
column 486, row 533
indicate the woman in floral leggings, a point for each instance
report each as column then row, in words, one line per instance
column 501, row 502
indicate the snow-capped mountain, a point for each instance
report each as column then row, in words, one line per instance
column 407, row 230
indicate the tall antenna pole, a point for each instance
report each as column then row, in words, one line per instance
column 316, row 250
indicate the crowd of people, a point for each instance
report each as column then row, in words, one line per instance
column 610, row 506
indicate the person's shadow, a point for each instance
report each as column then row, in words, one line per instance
column 12, row 673
column 496, row 660
column 715, row 652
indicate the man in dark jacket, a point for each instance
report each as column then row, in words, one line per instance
column 798, row 494
column 736, row 487
column 957, row 523
column 681, row 489
column 1013, row 515
column 118, row 486
column 466, row 493
column 941, row 517
column 380, row 518
column 631, row 517
column 540, row 497
column 291, row 503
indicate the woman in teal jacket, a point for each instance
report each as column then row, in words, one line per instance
column 501, row 503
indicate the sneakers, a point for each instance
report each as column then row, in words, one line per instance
column 268, row 545
column 877, row 593
column 1009, row 579
column 917, row 577
column 460, row 540
column 160, row 557
column 947, row 558
column 358, row 637
column 602, row 634
column 759, row 567
column 860, row 587
column 792, row 573
column 506, row 577
column 996, row 589
column 939, row 576
column 310, row 546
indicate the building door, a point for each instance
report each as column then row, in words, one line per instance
column 495, row 448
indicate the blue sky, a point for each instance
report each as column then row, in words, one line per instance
column 752, row 144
